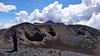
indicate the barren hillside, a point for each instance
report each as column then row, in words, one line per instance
column 57, row 39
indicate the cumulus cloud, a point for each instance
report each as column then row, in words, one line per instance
column 86, row 13
column 22, row 16
column 6, row 25
column 6, row 8
column 51, row 12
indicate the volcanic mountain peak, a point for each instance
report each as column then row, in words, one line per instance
column 50, row 22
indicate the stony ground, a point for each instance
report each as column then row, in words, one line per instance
column 37, row 51
column 42, row 52
column 34, row 51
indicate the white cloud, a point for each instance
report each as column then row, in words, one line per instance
column 36, row 16
column 22, row 16
column 94, row 21
column 6, row 8
column 50, row 12
column 6, row 25
column 86, row 13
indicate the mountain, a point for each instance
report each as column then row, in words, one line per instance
column 75, row 38
column 49, row 22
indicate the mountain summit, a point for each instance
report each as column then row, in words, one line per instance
column 50, row 22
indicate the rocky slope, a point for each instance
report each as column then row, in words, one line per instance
column 68, row 40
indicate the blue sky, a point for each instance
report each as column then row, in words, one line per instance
column 85, row 12
column 29, row 6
